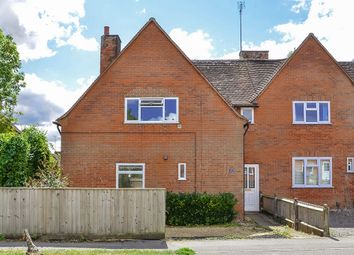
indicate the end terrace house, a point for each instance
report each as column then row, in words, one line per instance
column 152, row 120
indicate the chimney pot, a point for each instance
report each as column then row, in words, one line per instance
column 106, row 30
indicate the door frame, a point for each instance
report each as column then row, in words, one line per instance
column 256, row 167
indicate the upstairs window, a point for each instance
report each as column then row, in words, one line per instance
column 151, row 110
column 350, row 165
column 248, row 113
column 311, row 112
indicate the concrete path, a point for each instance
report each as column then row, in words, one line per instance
column 262, row 219
column 124, row 244
column 341, row 222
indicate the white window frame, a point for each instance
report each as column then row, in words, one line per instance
column 139, row 121
column 352, row 164
column 252, row 111
column 305, row 159
column 318, row 122
column 129, row 172
column 180, row 178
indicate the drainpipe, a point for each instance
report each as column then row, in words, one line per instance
column 245, row 127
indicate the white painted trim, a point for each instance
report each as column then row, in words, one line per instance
column 179, row 172
column 318, row 122
column 318, row 159
column 252, row 112
column 256, row 167
column 352, row 164
column 126, row 121
column 129, row 172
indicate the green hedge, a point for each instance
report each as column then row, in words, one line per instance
column 185, row 209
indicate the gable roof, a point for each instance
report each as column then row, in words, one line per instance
column 242, row 81
column 153, row 21
column 239, row 81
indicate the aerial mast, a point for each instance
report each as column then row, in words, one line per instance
column 241, row 5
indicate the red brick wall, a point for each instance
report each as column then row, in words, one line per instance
column 210, row 139
column 273, row 140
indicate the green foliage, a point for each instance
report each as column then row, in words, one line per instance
column 25, row 159
column 2, row 237
column 14, row 154
column 185, row 251
column 11, row 78
column 184, row 209
column 39, row 154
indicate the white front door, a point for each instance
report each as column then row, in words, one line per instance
column 251, row 187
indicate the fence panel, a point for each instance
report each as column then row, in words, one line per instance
column 83, row 212
column 301, row 215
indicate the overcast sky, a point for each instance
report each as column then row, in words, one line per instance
column 59, row 40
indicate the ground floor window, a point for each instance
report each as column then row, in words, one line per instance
column 130, row 175
column 309, row 172
column 182, row 171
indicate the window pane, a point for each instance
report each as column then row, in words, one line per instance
column 132, row 109
column 130, row 180
column 251, row 176
column 325, row 171
column 247, row 112
column 311, row 116
column 350, row 164
column 311, row 105
column 151, row 114
column 245, row 178
column 299, row 112
column 171, row 109
column 299, row 172
column 324, row 112
column 130, row 168
column 312, row 175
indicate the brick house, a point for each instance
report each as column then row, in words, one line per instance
column 300, row 141
column 151, row 119
column 154, row 118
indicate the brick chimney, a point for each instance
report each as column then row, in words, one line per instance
column 254, row 54
column 110, row 48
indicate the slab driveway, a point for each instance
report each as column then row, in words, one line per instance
column 341, row 223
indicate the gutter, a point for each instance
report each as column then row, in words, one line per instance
column 58, row 125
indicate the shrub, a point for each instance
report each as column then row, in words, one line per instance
column 184, row 209
column 185, row 251
column 14, row 154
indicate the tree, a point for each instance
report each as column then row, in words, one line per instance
column 25, row 159
column 11, row 78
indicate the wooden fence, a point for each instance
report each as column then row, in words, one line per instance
column 81, row 212
column 300, row 215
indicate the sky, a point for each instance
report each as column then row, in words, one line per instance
column 59, row 40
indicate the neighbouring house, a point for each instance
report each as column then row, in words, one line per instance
column 151, row 119
column 300, row 141
column 154, row 118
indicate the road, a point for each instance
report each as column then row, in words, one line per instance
column 321, row 246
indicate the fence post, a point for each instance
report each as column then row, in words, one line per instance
column 296, row 214
column 325, row 220
column 275, row 209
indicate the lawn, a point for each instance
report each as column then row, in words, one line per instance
column 88, row 252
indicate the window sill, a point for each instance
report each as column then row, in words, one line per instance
column 151, row 123
column 312, row 187
column 350, row 172
column 182, row 179
column 299, row 123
